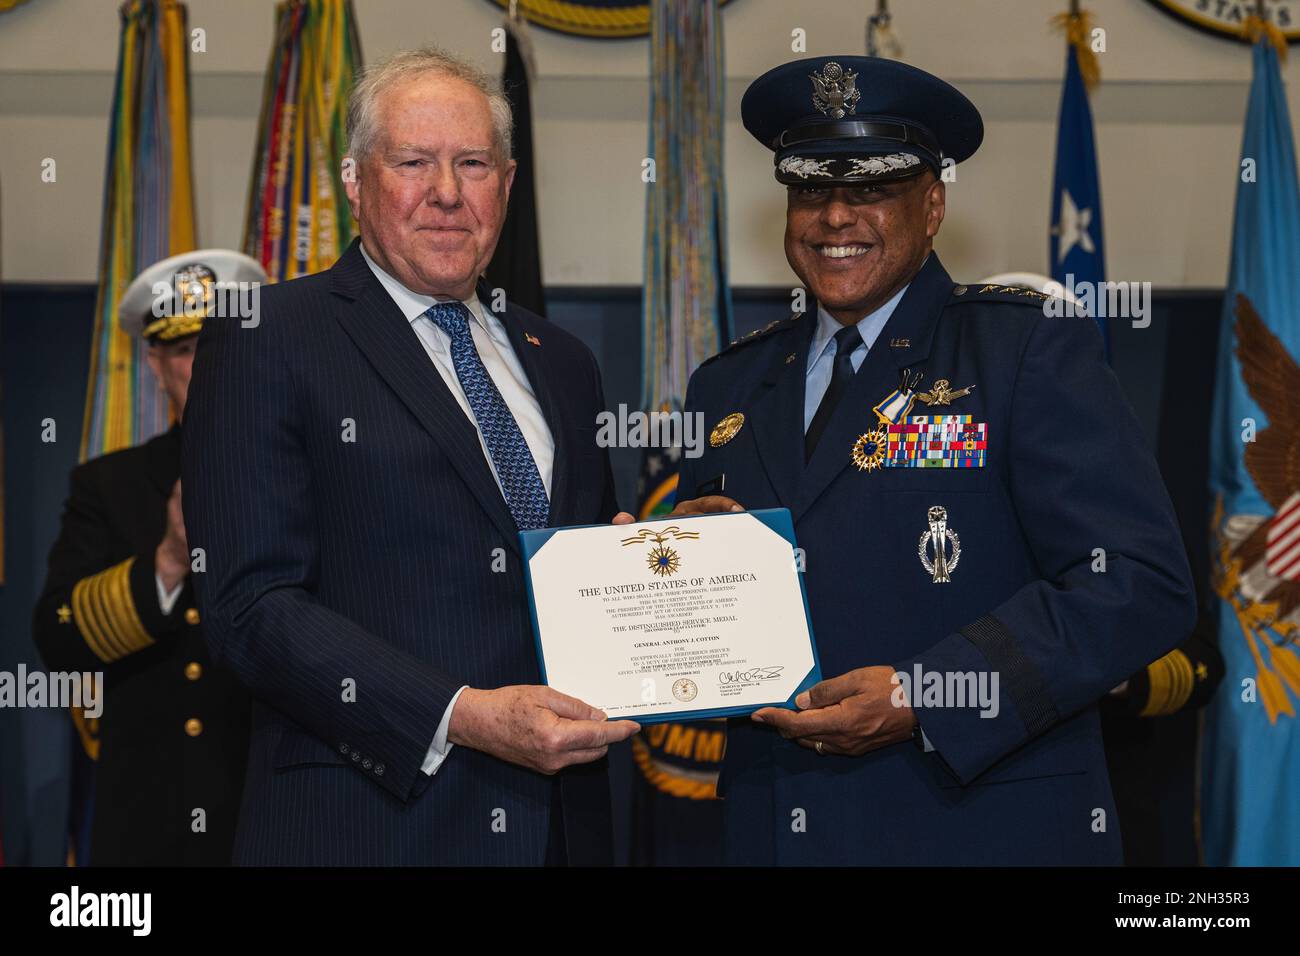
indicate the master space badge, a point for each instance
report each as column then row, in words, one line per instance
column 945, row 544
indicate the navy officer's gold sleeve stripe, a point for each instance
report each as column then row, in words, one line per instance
column 1172, row 682
column 106, row 615
column 89, row 620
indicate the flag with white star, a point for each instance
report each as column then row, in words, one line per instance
column 1075, row 243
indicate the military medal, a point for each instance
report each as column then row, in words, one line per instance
column 868, row 452
column 921, row 441
column 869, row 449
column 726, row 429
column 946, row 545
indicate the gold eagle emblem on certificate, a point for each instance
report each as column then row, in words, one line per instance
column 726, row 429
column 662, row 559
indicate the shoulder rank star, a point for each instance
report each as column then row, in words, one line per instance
column 941, row 394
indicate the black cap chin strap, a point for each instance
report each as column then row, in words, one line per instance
column 857, row 129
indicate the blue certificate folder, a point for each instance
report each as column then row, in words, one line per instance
column 778, row 519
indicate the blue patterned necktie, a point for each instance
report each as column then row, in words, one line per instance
column 517, row 471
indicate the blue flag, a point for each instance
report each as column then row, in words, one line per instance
column 1251, row 744
column 1075, row 248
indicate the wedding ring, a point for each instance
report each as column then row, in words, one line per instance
column 819, row 748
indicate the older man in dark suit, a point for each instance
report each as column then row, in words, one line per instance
column 358, row 463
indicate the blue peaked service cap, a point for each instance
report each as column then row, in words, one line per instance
column 844, row 120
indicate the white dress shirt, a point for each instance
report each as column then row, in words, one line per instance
column 499, row 359
column 166, row 599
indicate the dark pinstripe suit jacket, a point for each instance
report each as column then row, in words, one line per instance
column 354, row 585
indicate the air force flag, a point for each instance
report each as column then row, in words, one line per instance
column 1075, row 244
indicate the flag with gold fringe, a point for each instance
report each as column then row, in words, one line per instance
column 148, row 215
column 1251, row 755
column 298, row 219
column 686, row 318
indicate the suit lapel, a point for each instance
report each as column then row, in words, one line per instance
column 914, row 321
column 540, row 366
column 376, row 325
column 777, row 410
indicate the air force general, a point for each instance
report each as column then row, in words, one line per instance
column 989, row 547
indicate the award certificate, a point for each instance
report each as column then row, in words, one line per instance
column 673, row 618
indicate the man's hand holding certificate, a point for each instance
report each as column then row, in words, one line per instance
column 685, row 617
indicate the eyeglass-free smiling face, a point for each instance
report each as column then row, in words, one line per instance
column 855, row 246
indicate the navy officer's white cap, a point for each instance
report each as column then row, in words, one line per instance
column 840, row 120
column 156, row 316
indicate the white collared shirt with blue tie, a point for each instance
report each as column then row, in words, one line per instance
column 821, row 354
column 507, row 373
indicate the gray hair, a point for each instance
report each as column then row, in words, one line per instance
column 409, row 65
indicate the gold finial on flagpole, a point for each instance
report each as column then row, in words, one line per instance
column 1077, row 26
column 1258, row 24
column 881, row 39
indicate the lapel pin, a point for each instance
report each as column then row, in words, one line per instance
column 789, row 358
column 900, row 343
column 532, row 339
